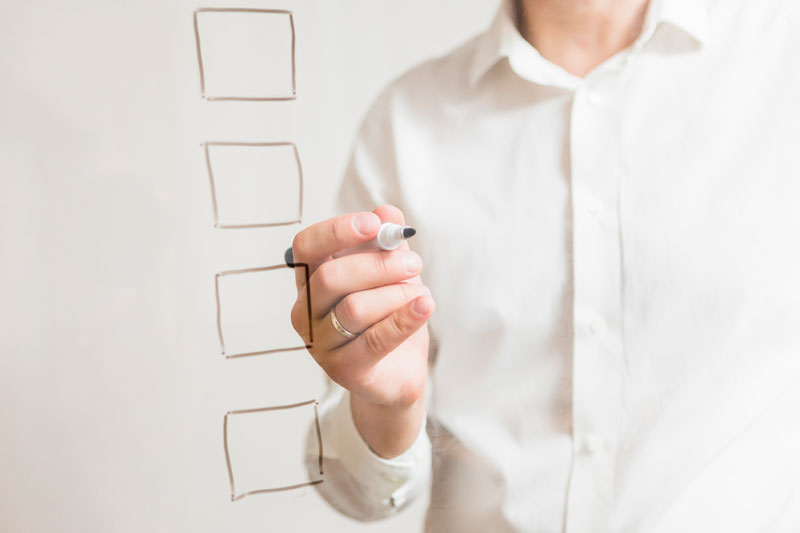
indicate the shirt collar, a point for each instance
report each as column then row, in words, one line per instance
column 503, row 39
column 498, row 42
column 689, row 16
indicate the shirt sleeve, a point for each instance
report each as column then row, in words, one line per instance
column 356, row 481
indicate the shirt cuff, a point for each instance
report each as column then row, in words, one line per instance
column 357, row 481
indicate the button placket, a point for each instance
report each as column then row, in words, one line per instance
column 596, row 326
column 594, row 208
column 592, row 444
column 597, row 352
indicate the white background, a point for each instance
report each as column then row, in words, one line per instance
column 112, row 386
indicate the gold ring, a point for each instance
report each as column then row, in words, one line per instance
column 338, row 327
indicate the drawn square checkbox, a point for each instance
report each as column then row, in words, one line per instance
column 245, row 54
column 265, row 447
column 254, row 308
column 254, row 185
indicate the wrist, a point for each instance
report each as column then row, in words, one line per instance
column 388, row 429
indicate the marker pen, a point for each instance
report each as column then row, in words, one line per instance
column 389, row 237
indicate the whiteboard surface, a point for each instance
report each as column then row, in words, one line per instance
column 112, row 381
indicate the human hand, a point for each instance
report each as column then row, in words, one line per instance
column 376, row 295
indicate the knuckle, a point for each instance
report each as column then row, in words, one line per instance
column 374, row 340
column 390, row 264
column 337, row 231
column 397, row 325
column 321, row 360
column 411, row 393
column 294, row 316
column 327, row 276
column 394, row 212
column 351, row 308
column 381, row 264
column 332, row 365
column 299, row 245
column 412, row 290
column 299, row 318
column 325, row 363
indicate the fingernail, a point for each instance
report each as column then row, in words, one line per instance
column 412, row 262
column 422, row 305
column 365, row 224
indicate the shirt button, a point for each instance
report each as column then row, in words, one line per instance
column 592, row 444
column 596, row 99
column 594, row 208
column 596, row 326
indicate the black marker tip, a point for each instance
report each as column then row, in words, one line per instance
column 408, row 232
column 289, row 257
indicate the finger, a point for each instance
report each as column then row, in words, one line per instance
column 390, row 213
column 337, row 278
column 320, row 321
column 359, row 310
column 382, row 338
column 319, row 241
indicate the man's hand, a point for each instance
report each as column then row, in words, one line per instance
column 378, row 296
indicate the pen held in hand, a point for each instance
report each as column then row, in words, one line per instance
column 389, row 237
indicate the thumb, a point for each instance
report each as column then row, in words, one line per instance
column 382, row 337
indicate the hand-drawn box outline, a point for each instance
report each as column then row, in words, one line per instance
column 251, row 271
column 210, row 169
column 200, row 54
column 234, row 496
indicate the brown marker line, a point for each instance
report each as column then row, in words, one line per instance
column 279, row 489
column 217, row 224
column 294, row 83
column 265, row 352
column 224, row 273
column 234, row 497
column 250, row 270
column 249, row 98
column 319, row 436
column 249, row 226
column 240, row 10
column 248, row 143
column 270, row 408
column 228, row 456
column 200, row 55
column 219, row 314
column 308, row 301
column 300, row 179
column 213, row 185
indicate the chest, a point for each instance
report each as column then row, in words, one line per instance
column 689, row 195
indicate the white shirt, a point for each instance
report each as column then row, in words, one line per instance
column 616, row 266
